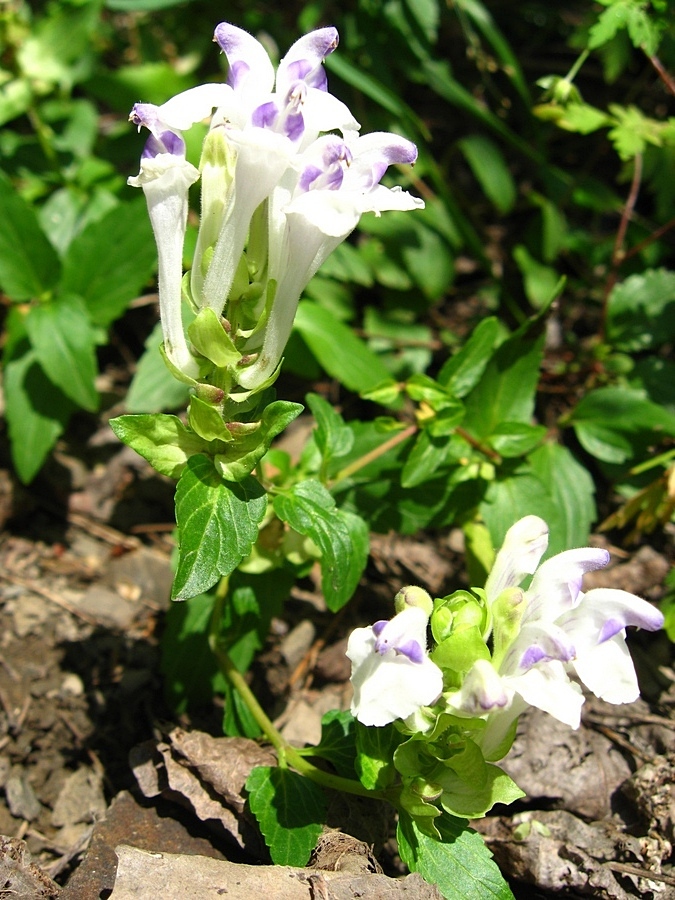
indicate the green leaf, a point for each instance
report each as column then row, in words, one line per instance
column 29, row 265
column 64, row 344
column 217, row 525
column 462, row 372
column 332, row 435
column 539, row 281
column 489, row 167
column 341, row 353
column 516, row 438
column 111, row 260
column 641, row 311
column 153, row 388
column 341, row 537
column 290, row 810
column 507, row 389
column 37, row 413
column 210, row 339
column 163, row 440
column 189, row 668
column 375, row 754
column 338, row 742
column 460, row 864
column 427, row 456
column 572, row 490
column 617, row 424
column 239, row 457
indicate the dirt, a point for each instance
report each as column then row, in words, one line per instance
column 85, row 574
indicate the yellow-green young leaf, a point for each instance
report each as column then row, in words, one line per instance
column 160, row 439
column 290, row 810
column 211, row 340
column 217, row 525
column 460, row 864
column 64, row 344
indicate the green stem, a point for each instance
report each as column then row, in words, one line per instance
column 573, row 72
column 288, row 755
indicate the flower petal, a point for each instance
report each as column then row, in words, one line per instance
column 548, row 687
column 607, row 669
column 304, row 60
column 523, row 547
column 556, row 585
column 251, row 72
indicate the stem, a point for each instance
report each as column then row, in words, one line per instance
column 372, row 455
column 573, row 72
column 287, row 754
column 618, row 252
column 477, row 445
column 665, row 77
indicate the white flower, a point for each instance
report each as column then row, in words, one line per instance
column 275, row 174
column 552, row 628
column 392, row 674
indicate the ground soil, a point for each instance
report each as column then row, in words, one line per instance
column 85, row 575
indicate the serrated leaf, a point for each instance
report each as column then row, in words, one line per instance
column 29, row 265
column 238, row 458
column 375, row 754
column 338, row 742
column 460, row 864
column 217, row 525
column 109, row 262
column 160, row 439
column 341, row 537
column 341, row 353
column 290, row 811
column 641, row 311
column 37, row 413
column 64, row 345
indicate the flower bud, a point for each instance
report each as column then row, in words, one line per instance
column 413, row 596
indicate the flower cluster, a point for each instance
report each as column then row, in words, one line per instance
column 285, row 177
column 504, row 648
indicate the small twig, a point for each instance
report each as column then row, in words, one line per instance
column 477, row 445
column 618, row 251
column 601, row 718
column 621, row 741
column 374, row 454
column 104, row 532
column 37, row 588
column 665, row 76
column 640, row 873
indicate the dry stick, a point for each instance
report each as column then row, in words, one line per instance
column 665, row 76
column 641, row 873
column 49, row 595
column 618, row 252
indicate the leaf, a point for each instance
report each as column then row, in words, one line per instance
column 111, row 260
column 153, row 388
column 462, row 372
column 617, row 424
column 507, row 388
column 189, row 668
column 343, row 355
column 338, row 742
column 333, row 436
column 426, row 457
column 375, row 754
column 641, row 311
column 516, row 438
column 64, row 345
column 160, row 439
column 341, row 537
column 460, row 864
column 239, row 457
column 539, row 281
column 29, row 265
column 290, row 810
column 489, row 167
column 572, row 491
column 217, row 525
column 37, row 413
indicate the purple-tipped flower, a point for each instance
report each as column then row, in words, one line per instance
column 392, row 675
column 549, row 630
